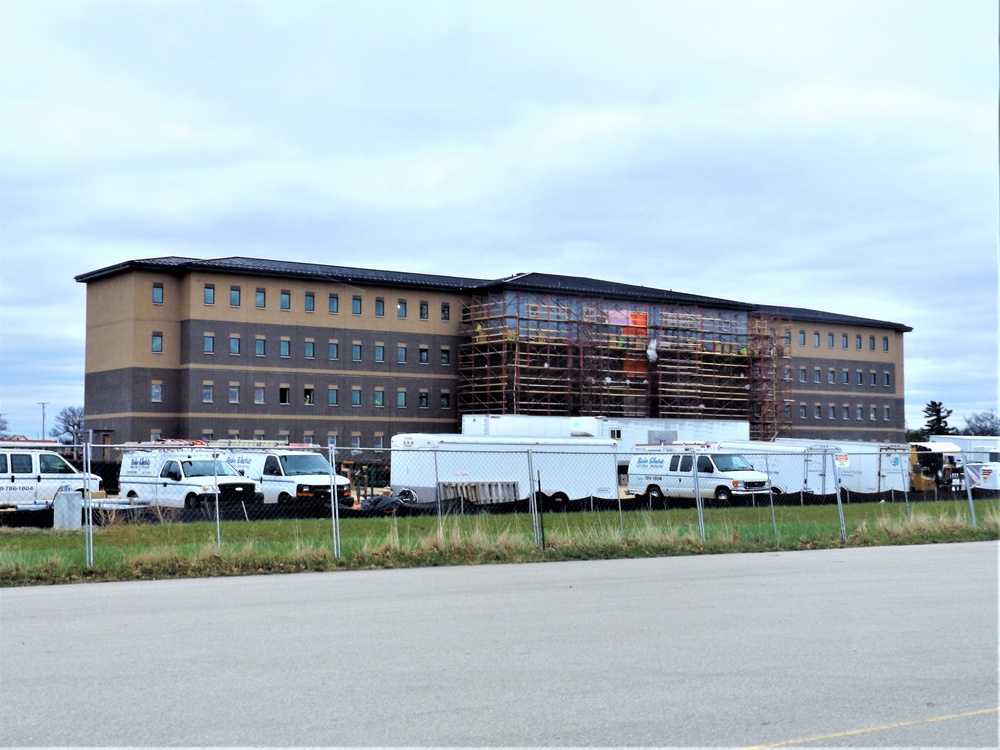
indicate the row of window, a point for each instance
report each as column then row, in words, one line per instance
column 845, row 376
column 845, row 339
column 845, row 412
column 309, row 349
column 234, row 393
column 309, row 302
column 378, row 441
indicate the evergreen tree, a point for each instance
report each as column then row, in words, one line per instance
column 937, row 419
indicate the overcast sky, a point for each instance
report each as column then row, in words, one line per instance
column 836, row 155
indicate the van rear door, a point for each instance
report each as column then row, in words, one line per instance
column 17, row 479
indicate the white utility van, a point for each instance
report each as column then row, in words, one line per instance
column 183, row 478
column 31, row 476
column 669, row 473
column 288, row 474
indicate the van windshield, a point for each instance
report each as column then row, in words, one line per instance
column 304, row 463
column 208, row 468
column 731, row 462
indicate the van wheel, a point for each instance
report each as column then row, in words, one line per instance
column 654, row 495
column 723, row 495
column 284, row 497
column 775, row 490
column 191, row 501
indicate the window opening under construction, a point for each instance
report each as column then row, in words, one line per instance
column 528, row 353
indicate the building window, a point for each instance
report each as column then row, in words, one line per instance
column 379, row 442
column 285, row 348
column 208, row 344
column 285, row 300
column 259, row 347
column 885, row 413
column 871, row 343
column 258, row 394
column 829, row 340
column 445, row 400
column 843, row 341
column 845, row 377
column 260, row 299
column 886, row 379
column 872, row 378
column 333, row 350
column 234, row 344
column 859, row 412
column 815, row 338
column 355, row 305
column 817, row 412
column 857, row 343
column 379, row 307
column 307, row 395
column 445, row 311
column 207, row 394
column 860, row 379
column 422, row 403
column 356, row 352
column 333, row 304
column 802, row 338
column 310, row 302
column 425, row 310
column 445, row 355
column 873, row 413
column 355, row 441
column 787, row 374
column 355, row 397
column 786, row 412
column 401, row 308
column 157, row 343
column 424, row 355
column 157, row 294
column 332, row 396
column 380, row 352
column 155, row 435
column 234, row 394
column 802, row 411
column 802, row 374
column 845, row 412
column 885, row 343
column 401, row 399
column 379, row 398
column 209, row 294
column 234, row 296
column 831, row 377
column 401, row 354
column 816, row 376
column 787, row 336
column 831, row 412
column 285, row 395
column 156, row 393
column 310, row 349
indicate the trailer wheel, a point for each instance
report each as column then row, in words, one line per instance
column 723, row 495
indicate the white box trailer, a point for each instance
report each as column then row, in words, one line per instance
column 865, row 468
column 629, row 432
column 792, row 469
column 490, row 470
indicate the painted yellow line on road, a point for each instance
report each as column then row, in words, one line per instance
column 868, row 730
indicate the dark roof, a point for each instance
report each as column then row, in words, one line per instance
column 818, row 316
column 533, row 282
column 286, row 269
column 579, row 285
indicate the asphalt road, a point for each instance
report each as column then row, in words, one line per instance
column 858, row 647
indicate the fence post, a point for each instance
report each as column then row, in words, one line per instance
column 88, row 529
column 840, row 505
column 618, row 491
column 770, row 493
column 697, row 496
column 331, row 446
column 218, row 523
column 904, row 462
column 437, row 496
column 968, row 489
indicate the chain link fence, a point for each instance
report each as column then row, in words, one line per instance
column 771, row 496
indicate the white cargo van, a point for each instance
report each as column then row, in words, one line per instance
column 287, row 474
column 31, row 476
column 669, row 473
column 183, row 478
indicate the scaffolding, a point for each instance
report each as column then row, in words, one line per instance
column 540, row 354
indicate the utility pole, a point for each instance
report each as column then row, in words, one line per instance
column 43, row 404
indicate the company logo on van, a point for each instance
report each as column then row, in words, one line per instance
column 650, row 462
column 240, row 460
column 139, row 462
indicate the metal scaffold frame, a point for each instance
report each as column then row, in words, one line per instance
column 544, row 354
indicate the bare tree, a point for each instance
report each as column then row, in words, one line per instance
column 3, row 429
column 982, row 423
column 69, row 426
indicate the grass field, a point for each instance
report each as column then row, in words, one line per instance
column 124, row 551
